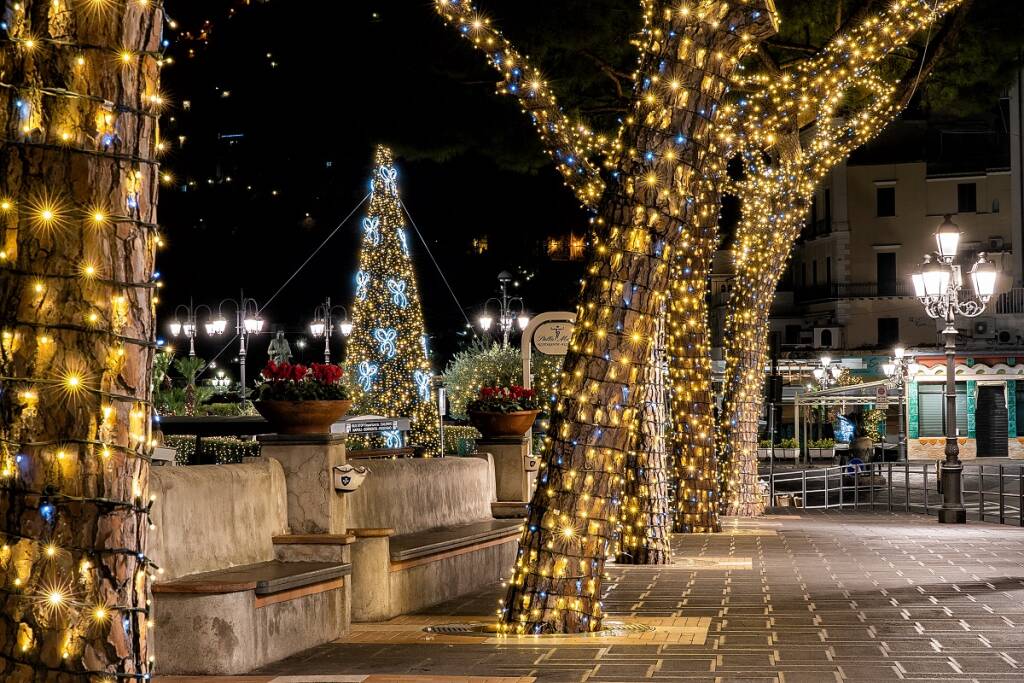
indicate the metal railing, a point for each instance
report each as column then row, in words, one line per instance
column 1011, row 302
column 851, row 290
column 992, row 493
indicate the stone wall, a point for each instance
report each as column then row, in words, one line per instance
column 212, row 517
column 417, row 494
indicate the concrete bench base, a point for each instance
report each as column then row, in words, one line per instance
column 388, row 582
column 234, row 620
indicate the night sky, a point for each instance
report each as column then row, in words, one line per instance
column 290, row 98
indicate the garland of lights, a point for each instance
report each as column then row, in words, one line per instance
column 775, row 198
column 571, row 144
column 387, row 349
column 75, row 329
column 687, row 57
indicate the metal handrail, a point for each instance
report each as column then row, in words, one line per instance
column 910, row 487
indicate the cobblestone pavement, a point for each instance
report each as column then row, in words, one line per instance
column 815, row 597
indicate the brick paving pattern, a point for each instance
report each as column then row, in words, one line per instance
column 816, row 597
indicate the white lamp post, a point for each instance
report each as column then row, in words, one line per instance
column 247, row 321
column 188, row 327
column 511, row 310
column 897, row 371
column 323, row 325
column 939, row 285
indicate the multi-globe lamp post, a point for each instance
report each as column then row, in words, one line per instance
column 323, row 325
column 511, row 310
column 828, row 374
column 897, row 371
column 189, row 327
column 247, row 321
column 939, row 285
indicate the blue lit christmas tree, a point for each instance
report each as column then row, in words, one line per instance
column 387, row 353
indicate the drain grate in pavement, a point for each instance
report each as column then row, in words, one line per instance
column 612, row 629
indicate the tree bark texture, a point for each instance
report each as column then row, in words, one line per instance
column 644, row 218
column 78, row 195
column 645, row 517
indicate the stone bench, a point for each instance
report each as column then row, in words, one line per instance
column 238, row 591
column 425, row 535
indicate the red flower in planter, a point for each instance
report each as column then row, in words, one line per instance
column 326, row 374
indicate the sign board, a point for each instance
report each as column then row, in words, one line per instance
column 556, row 327
column 552, row 338
column 371, row 424
column 882, row 397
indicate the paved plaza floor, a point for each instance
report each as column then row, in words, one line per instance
column 817, row 596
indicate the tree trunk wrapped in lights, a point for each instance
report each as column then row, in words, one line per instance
column 644, row 515
column 689, row 53
column 782, row 168
column 78, row 191
column 387, row 352
column 695, row 465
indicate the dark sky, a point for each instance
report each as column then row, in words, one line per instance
column 291, row 98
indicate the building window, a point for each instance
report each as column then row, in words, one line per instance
column 885, row 263
column 826, row 339
column 995, row 206
column 577, row 247
column 480, row 245
column 931, row 407
column 885, row 201
column 888, row 332
column 967, row 198
column 814, row 272
column 828, row 270
column 792, row 335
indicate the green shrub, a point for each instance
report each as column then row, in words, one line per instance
column 483, row 366
column 227, row 449
column 764, row 443
column 460, row 439
column 823, row 443
column 788, row 443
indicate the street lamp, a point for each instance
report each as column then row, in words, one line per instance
column 511, row 310
column 247, row 321
column 828, row 374
column 323, row 325
column 188, row 327
column 897, row 370
column 939, row 285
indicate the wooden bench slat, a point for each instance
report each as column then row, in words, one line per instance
column 314, row 539
column 432, row 541
column 264, row 578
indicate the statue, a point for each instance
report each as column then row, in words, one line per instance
column 279, row 350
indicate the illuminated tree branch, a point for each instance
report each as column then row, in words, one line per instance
column 571, row 144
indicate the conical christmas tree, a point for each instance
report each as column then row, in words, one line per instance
column 387, row 352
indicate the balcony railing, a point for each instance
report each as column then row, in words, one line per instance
column 1011, row 302
column 850, row 290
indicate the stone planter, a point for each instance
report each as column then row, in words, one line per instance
column 822, row 453
column 503, row 424
column 302, row 417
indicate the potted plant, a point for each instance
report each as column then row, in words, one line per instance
column 296, row 399
column 503, row 411
column 822, row 448
column 789, row 449
column 764, row 449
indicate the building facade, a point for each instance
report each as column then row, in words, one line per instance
column 848, row 292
